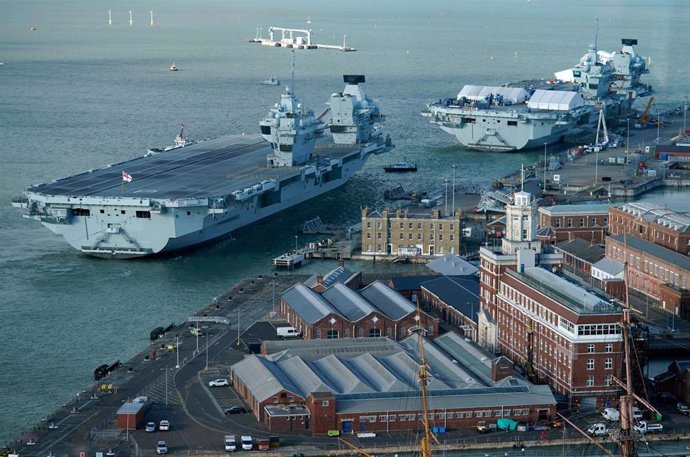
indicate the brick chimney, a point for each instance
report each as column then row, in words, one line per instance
column 319, row 278
column 501, row 367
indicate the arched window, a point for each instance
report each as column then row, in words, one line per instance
column 332, row 334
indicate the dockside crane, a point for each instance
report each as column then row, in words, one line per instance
column 643, row 120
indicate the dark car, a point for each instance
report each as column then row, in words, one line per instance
column 683, row 408
column 236, row 410
column 668, row 397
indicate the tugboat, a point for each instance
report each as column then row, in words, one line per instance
column 400, row 167
column 173, row 67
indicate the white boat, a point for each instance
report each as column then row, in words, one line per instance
column 173, row 67
column 272, row 81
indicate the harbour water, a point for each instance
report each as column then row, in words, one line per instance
column 79, row 94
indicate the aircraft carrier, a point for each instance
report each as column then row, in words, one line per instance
column 205, row 191
column 528, row 114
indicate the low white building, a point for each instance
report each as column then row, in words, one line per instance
column 608, row 269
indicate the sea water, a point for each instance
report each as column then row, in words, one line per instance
column 76, row 93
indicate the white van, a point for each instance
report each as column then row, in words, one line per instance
column 195, row 331
column 230, row 444
column 287, row 331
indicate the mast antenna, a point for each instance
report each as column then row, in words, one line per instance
column 292, row 81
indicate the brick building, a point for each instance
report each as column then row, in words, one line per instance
column 340, row 312
column 565, row 222
column 408, row 233
column 652, row 223
column 561, row 333
column 579, row 255
column 455, row 300
column 654, row 270
column 371, row 385
column 519, row 249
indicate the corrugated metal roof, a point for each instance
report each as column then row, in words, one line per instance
column 668, row 255
column 479, row 398
column 262, row 377
column 377, row 374
column 308, row 304
column 375, row 377
column 468, row 355
column 348, row 302
column 343, row 379
column 387, row 301
column 302, row 376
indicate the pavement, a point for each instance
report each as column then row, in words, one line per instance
column 176, row 382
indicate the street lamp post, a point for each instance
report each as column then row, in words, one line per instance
column 273, row 283
column 177, row 349
column 627, row 140
column 206, row 369
column 445, row 209
column 658, row 126
column 453, row 208
column 295, row 243
column 543, row 189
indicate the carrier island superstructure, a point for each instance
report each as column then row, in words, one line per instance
column 527, row 114
column 205, row 191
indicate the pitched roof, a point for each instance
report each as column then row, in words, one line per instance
column 581, row 249
column 460, row 292
column 452, row 265
column 389, row 302
column 411, row 282
column 378, row 374
column 308, row 304
column 670, row 256
column 609, row 266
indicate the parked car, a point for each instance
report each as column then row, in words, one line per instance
column 161, row 447
column 637, row 413
column 236, row 410
column 483, row 427
column 683, row 408
column 598, row 429
column 611, row 414
column 649, row 427
column 229, row 443
column 218, row 383
column 247, row 442
column 262, row 444
column 150, row 427
column 164, row 425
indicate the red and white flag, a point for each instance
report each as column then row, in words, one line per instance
column 126, row 176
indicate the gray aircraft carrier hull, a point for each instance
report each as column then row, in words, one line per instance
column 185, row 197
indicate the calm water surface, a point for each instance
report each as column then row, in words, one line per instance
column 76, row 94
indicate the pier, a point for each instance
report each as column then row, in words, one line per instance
column 295, row 39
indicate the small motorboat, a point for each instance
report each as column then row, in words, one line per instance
column 400, row 167
column 272, row 81
column 173, row 67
